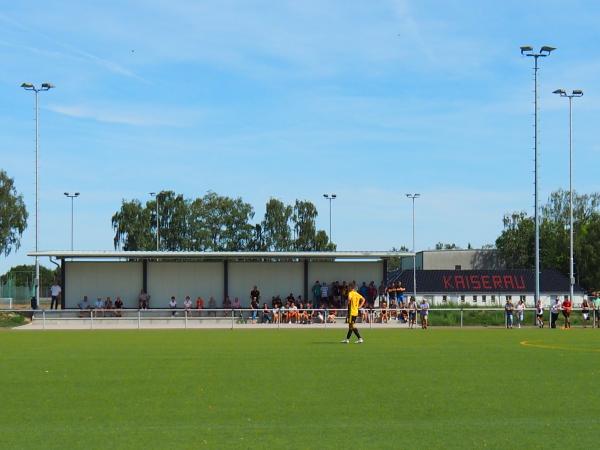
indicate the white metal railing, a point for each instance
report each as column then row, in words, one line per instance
column 232, row 318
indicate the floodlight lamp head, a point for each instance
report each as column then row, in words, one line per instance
column 577, row 93
column 152, row 194
column 560, row 92
column 76, row 194
column 47, row 86
column 526, row 48
column 27, row 86
column 67, row 194
column 547, row 49
column 333, row 195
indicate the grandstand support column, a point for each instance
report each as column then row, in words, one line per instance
column 145, row 275
column 225, row 278
column 385, row 270
column 305, row 284
column 63, row 285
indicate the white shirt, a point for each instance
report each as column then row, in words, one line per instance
column 55, row 290
column 187, row 303
column 173, row 303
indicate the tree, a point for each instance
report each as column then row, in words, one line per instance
column 443, row 246
column 516, row 243
column 173, row 212
column 275, row 227
column 132, row 226
column 13, row 215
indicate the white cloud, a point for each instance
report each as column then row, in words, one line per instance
column 127, row 115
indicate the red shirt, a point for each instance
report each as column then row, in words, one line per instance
column 567, row 305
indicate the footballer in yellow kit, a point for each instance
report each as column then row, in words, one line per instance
column 355, row 302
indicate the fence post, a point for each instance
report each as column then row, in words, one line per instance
column 461, row 317
column 139, row 319
column 186, row 314
column 232, row 318
column 91, row 319
column 44, row 319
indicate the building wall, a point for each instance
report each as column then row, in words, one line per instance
column 204, row 279
column 277, row 278
column 449, row 259
column 498, row 300
column 103, row 279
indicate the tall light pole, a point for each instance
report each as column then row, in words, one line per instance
column 72, row 197
column 36, row 91
column 413, row 197
column 330, row 197
column 157, row 194
column 545, row 51
column 574, row 93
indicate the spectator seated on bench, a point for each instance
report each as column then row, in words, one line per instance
column 118, row 307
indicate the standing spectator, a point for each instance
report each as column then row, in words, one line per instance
column 539, row 314
column 254, row 307
column 554, row 310
column 372, row 294
column 400, row 292
column 344, row 290
column 508, row 310
column 597, row 309
column 381, row 292
column 585, row 312
column 118, row 306
column 324, row 293
column 266, row 314
column 187, row 305
column 255, row 295
column 316, row 293
column 212, row 305
column 337, row 295
column 424, row 311
column 55, row 291
column 412, row 313
column 364, row 291
column 567, row 306
column 173, row 306
column 520, row 312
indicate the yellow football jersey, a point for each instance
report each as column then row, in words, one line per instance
column 354, row 299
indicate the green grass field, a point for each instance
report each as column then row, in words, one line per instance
column 441, row 388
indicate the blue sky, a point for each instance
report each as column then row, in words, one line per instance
column 292, row 99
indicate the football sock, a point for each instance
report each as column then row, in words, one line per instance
column 357, row 333
column 349, row 334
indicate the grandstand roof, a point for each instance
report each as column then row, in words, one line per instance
column 220, row 256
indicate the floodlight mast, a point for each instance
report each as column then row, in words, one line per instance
column 72, row 197
column 574, row 93
column 527, row 50
column 413, row 197
column 330, row 197
column 30, row 87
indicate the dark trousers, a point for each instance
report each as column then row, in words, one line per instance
column 54, row 302
column 553, row 319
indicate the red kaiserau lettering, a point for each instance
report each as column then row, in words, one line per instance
column 520, row 282
column 485, row 281
column 459, row 281
column 448, row 282
column 508, row 280
column 497, row 280
column 475, row 283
